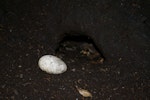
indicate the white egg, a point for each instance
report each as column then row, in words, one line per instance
column 52, row 64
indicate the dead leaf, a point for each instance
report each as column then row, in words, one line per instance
column 83, row 92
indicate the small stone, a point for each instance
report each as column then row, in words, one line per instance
column 12, row 97
column 48, row 89
column 73, row 70
column 21, row 75
column 3, row 86
column 83, row 68
column 10, row 30
column 19, row 66
column 120, row 59
column 16, row 92
column 27, row 54
column 101, row 60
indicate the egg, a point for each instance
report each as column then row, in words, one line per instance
column 52, row 64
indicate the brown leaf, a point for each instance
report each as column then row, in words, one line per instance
column 83, row 92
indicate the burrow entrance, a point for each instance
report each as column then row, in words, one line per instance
column 80, row 47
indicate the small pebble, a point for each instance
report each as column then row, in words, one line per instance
column 73, row 70
column 19, row 66
column 83, row 68
column 21, row 75
column 3, row 86
column 16, row 92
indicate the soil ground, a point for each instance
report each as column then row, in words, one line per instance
column 21, row 78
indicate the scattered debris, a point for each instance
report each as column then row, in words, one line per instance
column 21, row 75
column 104, row 69
column 16, row 92
column 19, row 66
column 73, row 69
column 99, row 61
column 120, row 59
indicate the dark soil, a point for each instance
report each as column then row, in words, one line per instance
column 21, row 78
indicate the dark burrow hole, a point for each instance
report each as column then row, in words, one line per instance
column 81, row 45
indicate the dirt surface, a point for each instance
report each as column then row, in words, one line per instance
column 21, row 78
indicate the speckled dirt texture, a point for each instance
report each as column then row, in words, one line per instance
column 24, row 38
